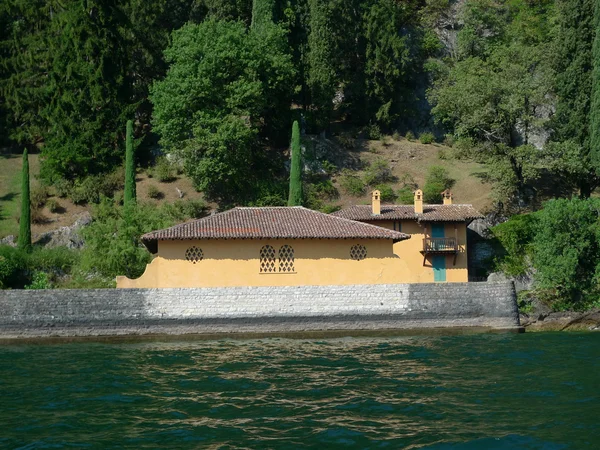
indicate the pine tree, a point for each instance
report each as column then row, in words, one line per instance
column 130, row 194
column 262, row 14
column 24, row 242
column 295, row 198
column 595, row 107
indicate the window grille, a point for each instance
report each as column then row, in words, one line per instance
column 267, row 259
column 358, row 252
column 286, row 259
column 194, row 254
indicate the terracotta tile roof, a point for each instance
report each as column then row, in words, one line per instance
column 271, row 223
column 431, row 213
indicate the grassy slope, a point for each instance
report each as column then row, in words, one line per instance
column 414, row 159
column 405, row 157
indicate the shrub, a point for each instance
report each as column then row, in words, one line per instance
column 93, row 187
column 410, row 136
column 386, row 192
column 427, row 138
column 386, row 140
column 53, row 205
column 37, row 216
column 63, row 187
column 396, row 136
column 330, row 208
column 378, row 172
column 164, row 170
column 374, row 132
column 329, row 167
column 154, row 192
column 38, row 196
column 12, row 266
column 40, row 281
column 515, row 237
column 449, row 140
column 351, row 183
column 347, row 141
column 437, row 181
column 181, row 210
column 442, row 154
column 405, row 196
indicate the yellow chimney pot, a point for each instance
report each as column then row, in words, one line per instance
column 419, row 201
column 447, row 197
column 376, row 202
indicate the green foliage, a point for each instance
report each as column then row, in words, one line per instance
column 164, row 170
column 515, row 237
column 406, row 196
column 318, row 191
column 427, row 138
column 566, row 248
column 24, row 241
column 437, row 181
column 351, row 183
column 112, row 240
column 262, row 14
column 182, row 210
column 374, row 131
column 63, row 187
column 12, row 263
column 410, row 136
column 573, row 84
column 38, row 195
column 40, row 281
column 154, row 192
column 386, row 192
column 296, row 168
column 227, row 88
column 378, row 172
column 129, row 195
column 53, row 205
column 91, row 189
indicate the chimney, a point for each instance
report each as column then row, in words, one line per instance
column 376, row 203
column 419, row 201
column 447, row 197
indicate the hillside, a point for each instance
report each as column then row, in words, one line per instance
column 407, row 160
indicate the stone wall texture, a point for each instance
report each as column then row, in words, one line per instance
column 98, row 312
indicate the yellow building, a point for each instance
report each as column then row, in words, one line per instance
column 273, row 246
column 437, row 250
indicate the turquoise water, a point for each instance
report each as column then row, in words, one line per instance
column 499, row 391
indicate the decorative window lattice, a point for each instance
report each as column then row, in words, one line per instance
column 286, row 259
column 194, row 254
column 358, row 252
column 267, row 259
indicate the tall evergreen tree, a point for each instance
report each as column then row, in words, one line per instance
column 130, row 195
column 262, row 14
column 24, row 241
column 573, row 85
column 595, row 107
column 295, row 198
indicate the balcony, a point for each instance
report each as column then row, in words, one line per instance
column 440, row 245
column 443, row 246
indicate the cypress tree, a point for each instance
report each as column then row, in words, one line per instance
column 262, row 14
column 24, row 242
column 295, row 198
column 595, row 106
column 130, row 194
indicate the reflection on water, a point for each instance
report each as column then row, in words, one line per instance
column 444, row 392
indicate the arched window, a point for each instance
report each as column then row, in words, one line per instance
column 194, row 254
column 358, row 252
column 286, row 259
column 267, row 259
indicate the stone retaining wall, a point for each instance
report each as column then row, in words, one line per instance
column 97, row 312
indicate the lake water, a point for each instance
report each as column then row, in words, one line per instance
column 486, row 391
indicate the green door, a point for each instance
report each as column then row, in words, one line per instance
column 439, row 267
column 438, row 262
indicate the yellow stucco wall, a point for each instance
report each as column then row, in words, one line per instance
column 237, row 263
column 410, row 250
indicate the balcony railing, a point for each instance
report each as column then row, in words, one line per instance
column 440, row 245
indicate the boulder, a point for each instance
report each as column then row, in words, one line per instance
column 9, row 240
column 66, row 236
